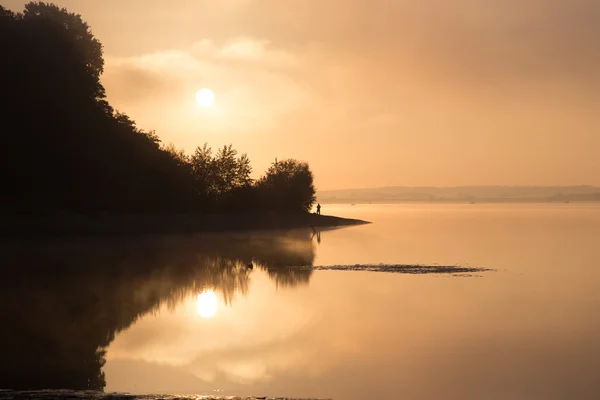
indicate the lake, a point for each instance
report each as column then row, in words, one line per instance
column 430, row 301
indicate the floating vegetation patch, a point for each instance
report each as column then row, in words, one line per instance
column 398, row 268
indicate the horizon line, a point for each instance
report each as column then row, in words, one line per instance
column 461, row 186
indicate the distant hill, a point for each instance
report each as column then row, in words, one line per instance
column 399, row 194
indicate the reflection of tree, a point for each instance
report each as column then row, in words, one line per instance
column 285, row 271
column 285, row 276
column 62, row 304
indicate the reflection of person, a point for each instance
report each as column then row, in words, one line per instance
column 319, row 209
column 317, row 233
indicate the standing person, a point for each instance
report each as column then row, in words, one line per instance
column 318, row 209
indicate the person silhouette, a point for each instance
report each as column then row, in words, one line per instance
column 318, row 209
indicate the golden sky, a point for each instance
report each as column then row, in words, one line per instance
column 369, row 92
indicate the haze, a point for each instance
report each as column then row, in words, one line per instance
column 370, row 93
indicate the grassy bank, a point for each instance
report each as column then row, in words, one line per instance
column 133, row 225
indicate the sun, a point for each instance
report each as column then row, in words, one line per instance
column 207, row 304
column 205, row 98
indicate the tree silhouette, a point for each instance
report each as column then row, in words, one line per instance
column 288, row 185
column 77, row 34
column 67, row 151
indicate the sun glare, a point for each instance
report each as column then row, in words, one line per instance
column 205, row 98
column 207, row 304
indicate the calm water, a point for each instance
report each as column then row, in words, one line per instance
column 184, row 315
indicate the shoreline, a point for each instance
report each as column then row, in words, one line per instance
column 42, row 227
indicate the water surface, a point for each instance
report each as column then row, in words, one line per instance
column 186, row 315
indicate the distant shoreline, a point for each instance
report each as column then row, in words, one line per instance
column 456, row 201
column 40, row 227
column 462, row 194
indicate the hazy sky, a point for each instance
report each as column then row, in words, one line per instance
column 369, row 92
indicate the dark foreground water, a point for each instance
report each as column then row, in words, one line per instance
column 428, row 302
column 95, row 395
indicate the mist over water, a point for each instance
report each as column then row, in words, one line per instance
column 429, row 301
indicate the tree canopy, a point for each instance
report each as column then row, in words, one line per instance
column 288, row 185
column 68, row 151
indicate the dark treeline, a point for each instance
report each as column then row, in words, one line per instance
column 66, row 150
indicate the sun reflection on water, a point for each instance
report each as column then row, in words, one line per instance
column 207, row 304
